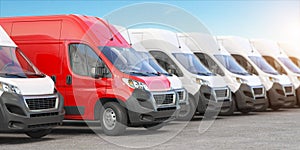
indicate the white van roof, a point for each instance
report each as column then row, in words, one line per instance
column 290, row 49
column 5, row 40
column 238, row 45
column 201, row 42
column 130, row 39
column 267, row 47
column 164, row 40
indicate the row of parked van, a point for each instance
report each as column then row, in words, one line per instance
column 132, row 77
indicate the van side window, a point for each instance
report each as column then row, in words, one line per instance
column 209, row 63
column 245, row 64
column 166, row 62
column 275, row 64
column 83, row 59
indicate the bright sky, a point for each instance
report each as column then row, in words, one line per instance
column 272, row 19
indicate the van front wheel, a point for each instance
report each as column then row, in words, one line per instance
column 36, row 134
column 113, row 119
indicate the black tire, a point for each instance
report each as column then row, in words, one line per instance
column 115, row 120
column 36, row 134
column 231, row 110
column 189, row 112
column 154, row 127
column 275, row 108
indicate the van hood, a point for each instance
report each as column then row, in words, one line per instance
column 31, row 86
column 283, row 79
column 157, row 83
column 175, row 82
column 251, row 80
column 214, row 81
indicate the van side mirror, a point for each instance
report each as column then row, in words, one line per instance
column 99, row 72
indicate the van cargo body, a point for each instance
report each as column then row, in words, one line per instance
column 281, row 62
column 248, row 57
column 248, row 92
column 29, row 101
column 207, row 92
column 96, row 70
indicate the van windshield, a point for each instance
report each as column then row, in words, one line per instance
column 289, row 64
column 192, row 64
column 13, row 64
column 128, row 61
column 261, row 63
column 147, row 57
column 231, row 65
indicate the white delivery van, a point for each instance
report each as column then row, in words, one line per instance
column 206, row 91
column 249, row 58
column 29, row 102
column 176, row 84
column 280, row 61
column 247, row 90
column 292, row 51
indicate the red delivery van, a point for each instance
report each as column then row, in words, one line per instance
column 100, row 76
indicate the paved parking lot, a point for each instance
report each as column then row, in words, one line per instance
column 266, row 130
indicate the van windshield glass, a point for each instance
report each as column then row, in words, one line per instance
column 289, row 64
column 128, row 61
column 261, row 63
column 192, row 64
column 231, row 65
column 13, row 64
column 147, row 57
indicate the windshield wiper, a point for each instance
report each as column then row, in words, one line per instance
column 154, row 73
column 203, row 73
column 274, row 73
column 241, row 73
column 36, row 74
column 138, row 73
column 166, row 74
column 13, row 75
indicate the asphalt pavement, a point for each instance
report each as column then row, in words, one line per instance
column 259, row 130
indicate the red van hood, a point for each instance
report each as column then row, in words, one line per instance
column 157, row 83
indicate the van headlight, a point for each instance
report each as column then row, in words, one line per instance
column 241, row 80
column 202, row 81
column 135, row 84
column 272, row 79
column 9, row 88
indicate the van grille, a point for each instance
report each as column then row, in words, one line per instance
column 180, row 95
column 41, row 103
column 258, row 91
column 288, row 89
column 164, row 99
column 221, row 93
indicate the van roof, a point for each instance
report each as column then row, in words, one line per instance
column 238, row 45
column 290, row 49
column 163, row 39
column 5, row 40
column 268, row 47
column 201, row 42
column 72, row 27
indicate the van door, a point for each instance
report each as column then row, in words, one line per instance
column 82, row 90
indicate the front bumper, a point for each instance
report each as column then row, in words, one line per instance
column 214, row 99
column 146, row 107
column 279, row 96
column 248, row 100
column 17, row 116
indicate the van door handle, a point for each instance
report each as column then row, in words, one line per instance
column 69, row 80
